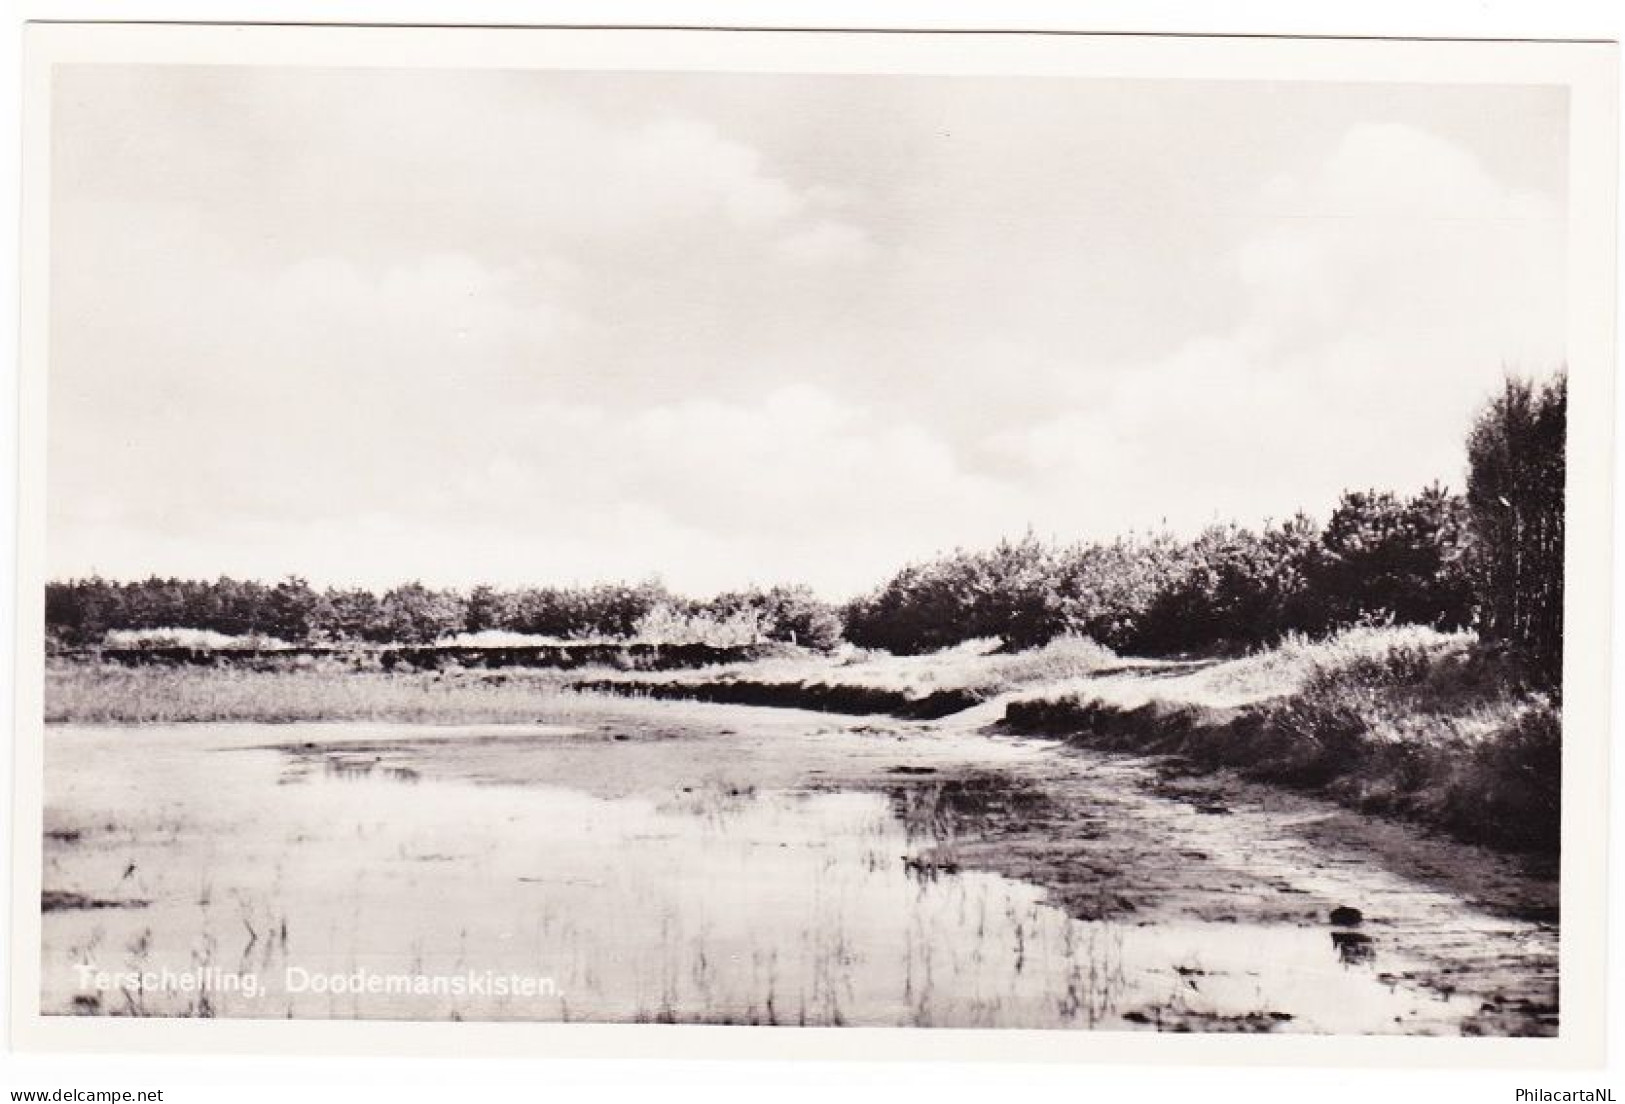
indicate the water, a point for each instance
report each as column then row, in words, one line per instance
column 697, row 898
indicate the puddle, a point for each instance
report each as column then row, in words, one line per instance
column 709, row 900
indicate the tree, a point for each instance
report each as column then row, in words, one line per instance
column 487, row 609
column 1391, row 557
column 79, row 612
column 414, row 614
column 1515, row 504
column 293, row 611
column 350, row 615
column 792, row 614
column 1107, row 591
column 796, row 615
column 1232, row 588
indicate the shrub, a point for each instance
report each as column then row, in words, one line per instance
column 670, row 623
column 790, row 614
column 1372, row 655
column 1509, row 789
column 1410, row 721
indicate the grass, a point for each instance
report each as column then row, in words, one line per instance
column 857, row 681
column 1065, row 657
column 974, row 668
column 860, row 682
column 1403, row 720
column 94, row 693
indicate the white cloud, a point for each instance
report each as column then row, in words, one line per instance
column 682, row 166
column 1391, row 288
column 826, row 243
column 365, row 325
column 1392, row 170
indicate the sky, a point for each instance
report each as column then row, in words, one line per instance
column 368, row 326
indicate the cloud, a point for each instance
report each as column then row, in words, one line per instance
column 683, row 166
column 1395, row 171
column 826, row 243
column 1389, row 289
column 526, row 327
column 369, row 336
column 796, row 486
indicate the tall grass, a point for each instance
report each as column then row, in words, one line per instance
column 1433, row 726
column 1407, row 720
column 89, row 693
column 1069, row 656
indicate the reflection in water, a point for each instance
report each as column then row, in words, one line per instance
column 940, row 812
column 1354, row 948
column 711, row 902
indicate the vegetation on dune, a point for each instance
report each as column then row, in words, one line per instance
column 1404, row 720
column 864, row 682
column 1453, row 735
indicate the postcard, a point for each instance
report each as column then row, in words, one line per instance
column 814, row 543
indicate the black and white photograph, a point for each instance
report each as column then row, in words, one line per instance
column 777, row 538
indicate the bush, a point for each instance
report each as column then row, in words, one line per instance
column 789, row 614
column 1372, row 655
column 80, row 613
column 672, row 624
column 1508, row 789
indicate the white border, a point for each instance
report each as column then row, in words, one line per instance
column 1574, row 20
column 1588, row 70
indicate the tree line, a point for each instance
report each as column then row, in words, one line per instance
column 1490, row 558
column 80, row 612
column 1230, row 588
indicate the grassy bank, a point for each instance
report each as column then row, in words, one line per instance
column 1405, row 721
column 853, row 682
column 91, row 693
column 922, row 687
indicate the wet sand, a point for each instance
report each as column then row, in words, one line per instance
column 678, row 861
